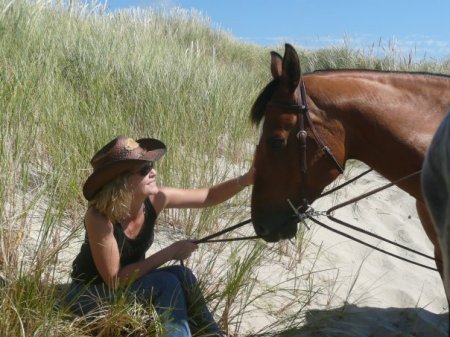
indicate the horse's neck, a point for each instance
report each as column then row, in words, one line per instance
column 388, row 119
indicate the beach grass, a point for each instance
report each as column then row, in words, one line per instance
column 72, row 77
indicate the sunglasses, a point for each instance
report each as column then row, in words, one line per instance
column 145, row 169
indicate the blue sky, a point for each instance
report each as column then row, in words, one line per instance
column 420, row 27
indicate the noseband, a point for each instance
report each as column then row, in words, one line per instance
column 303, row 120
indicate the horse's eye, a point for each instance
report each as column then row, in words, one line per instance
column 277, row 143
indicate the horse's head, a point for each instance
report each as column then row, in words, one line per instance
column 279, row 159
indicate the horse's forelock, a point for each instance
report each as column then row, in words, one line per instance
column 257, row 112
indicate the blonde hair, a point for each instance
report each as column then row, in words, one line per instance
column 114, row 199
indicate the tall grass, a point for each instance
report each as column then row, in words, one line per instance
column 74, row 76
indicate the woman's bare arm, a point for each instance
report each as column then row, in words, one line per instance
column 107, row 258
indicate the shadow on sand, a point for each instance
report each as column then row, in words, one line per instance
column 352, row 321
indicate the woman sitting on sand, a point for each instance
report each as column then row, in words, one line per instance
column 124, row 202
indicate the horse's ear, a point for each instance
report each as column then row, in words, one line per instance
column 291, row 67
column 276, row 64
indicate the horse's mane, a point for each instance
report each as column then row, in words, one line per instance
column 257, row 111
column 421, row 73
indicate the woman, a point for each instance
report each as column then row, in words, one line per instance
column 124, row 202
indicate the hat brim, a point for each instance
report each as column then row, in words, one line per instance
column 100, row 177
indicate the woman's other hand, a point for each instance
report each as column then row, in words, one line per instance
column 182, row 249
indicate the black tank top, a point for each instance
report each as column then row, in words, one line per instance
column 130, row 250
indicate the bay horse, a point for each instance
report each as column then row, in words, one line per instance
column 384, row 119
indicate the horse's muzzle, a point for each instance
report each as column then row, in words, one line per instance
column 273, row 232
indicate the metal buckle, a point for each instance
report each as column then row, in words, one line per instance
column 301, row 216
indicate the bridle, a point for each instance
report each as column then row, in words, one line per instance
column 303, row 120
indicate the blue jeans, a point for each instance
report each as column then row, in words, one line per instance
column 172, row 290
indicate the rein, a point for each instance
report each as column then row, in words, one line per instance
column 311, row 214
column 210, row 238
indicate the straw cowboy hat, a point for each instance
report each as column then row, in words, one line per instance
column 120, row 155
